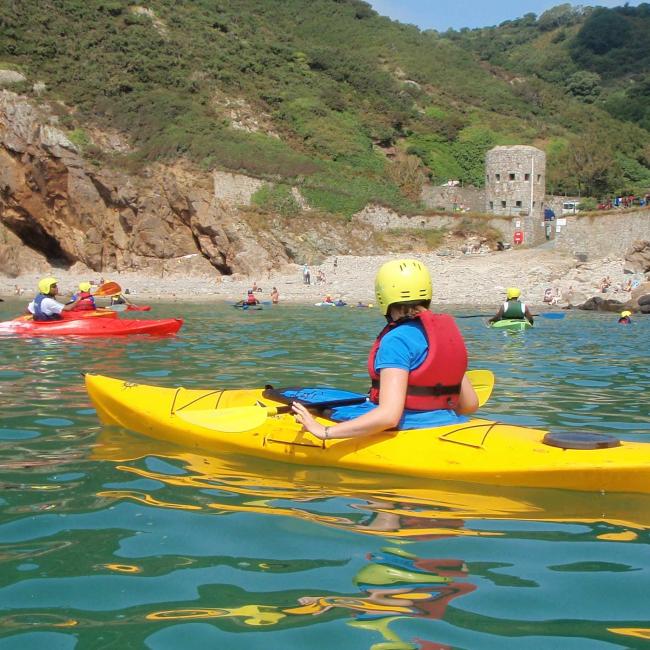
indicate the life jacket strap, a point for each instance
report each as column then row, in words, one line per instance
column 425, row 391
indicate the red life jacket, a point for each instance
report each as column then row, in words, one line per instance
column 86, row 303
column 435, row 384
column 251, row 299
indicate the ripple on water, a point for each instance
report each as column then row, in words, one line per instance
column 588, row 383
column 54, row 422
column 95, row 514
column 18, row 434
column 154, row 373
column 64, row 478
column 10, row 374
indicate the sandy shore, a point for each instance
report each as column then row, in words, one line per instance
column 459, row 279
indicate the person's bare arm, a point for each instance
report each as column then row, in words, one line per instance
column 388, row 413
column 71, row 305
column 468, row 399
column 529, row 316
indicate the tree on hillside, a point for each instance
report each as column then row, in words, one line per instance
column 584, row 86
column 559, row 16
column 408, row 174
column 603, row 31
column 585, row 166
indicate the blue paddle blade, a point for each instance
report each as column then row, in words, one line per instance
column 555, row 315
column 317, row 396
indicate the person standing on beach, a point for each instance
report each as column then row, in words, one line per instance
column 512, row 308
column 417, row 364
column 275, row 296
column 305, row 275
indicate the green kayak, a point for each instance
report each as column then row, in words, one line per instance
column 511, row 325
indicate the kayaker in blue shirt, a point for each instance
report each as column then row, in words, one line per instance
column 512, row 308
column 417, row 364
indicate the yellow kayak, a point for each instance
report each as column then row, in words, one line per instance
column 478, row 451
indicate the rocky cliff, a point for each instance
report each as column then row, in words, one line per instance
column 59, row 209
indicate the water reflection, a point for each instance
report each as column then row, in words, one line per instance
column 383, row 506
column 112, row 540
column 394, row 584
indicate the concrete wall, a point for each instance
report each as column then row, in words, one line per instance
column 444, row 197
column 603, row 234
column 382, row 218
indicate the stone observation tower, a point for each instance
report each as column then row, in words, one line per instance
column 515, row 181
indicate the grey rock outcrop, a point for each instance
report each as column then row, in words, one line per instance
column 601, row 304
column 9, row 77
column 637, row 259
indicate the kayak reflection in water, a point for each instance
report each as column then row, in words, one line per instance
column 417, row 364
column 394, row 584
column 404, row 520
column 512, row 308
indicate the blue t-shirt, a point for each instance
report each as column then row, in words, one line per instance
column 404, row 347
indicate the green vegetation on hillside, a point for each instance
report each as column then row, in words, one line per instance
column 597, row 55
column 327, row 95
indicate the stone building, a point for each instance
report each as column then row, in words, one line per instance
column 515, row 181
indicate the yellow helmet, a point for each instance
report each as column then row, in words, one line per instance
column 626, row 313
column 84, row 286
column 402, row 281
column 512, row 292
column 46, row 284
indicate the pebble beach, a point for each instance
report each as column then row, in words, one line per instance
column 459, row 279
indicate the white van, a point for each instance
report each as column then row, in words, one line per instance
column 570, row 207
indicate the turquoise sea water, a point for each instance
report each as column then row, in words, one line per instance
column 111, row 540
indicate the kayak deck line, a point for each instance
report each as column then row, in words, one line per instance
column 445, row 437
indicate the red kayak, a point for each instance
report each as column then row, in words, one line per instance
column 75, row 314
column 138, row 308
column 90, row 327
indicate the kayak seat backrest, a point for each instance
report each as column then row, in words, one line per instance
column 317, row 397
column 576, row 440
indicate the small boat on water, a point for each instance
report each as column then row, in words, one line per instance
column 511, row 325
column 90, row 326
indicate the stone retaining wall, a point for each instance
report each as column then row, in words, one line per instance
column 603, row 234
column 382, row 218
column 444, row 197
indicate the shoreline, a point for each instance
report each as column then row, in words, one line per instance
column 458, row 279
